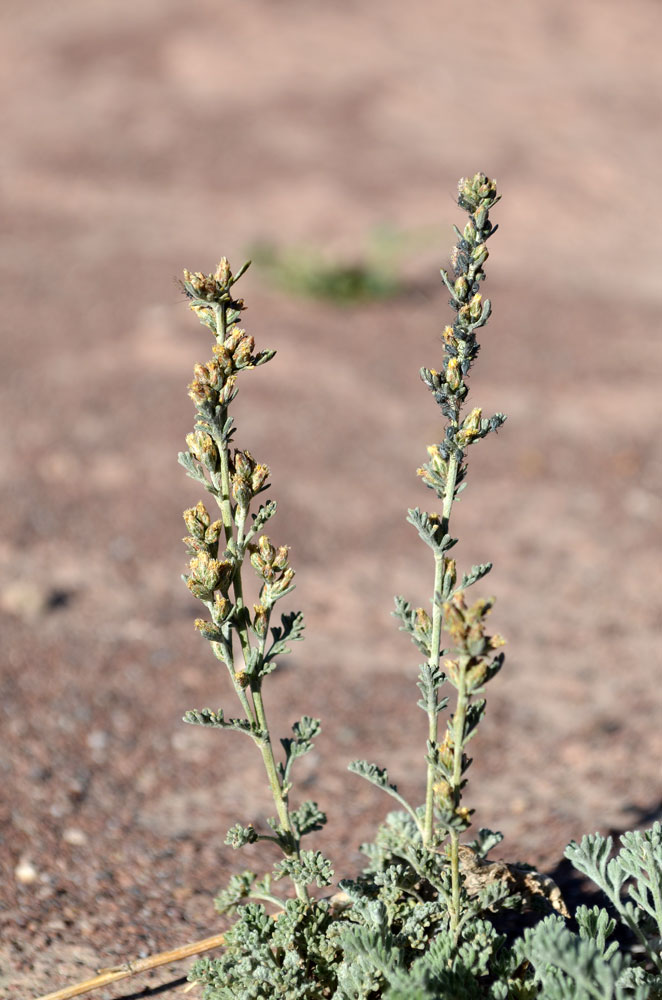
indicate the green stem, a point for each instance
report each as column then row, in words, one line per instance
column 279, row 793
column 630, row 922
column 241, row 694
column 279, row 797
column 268, row 898
column 433, row 662
column 435, row 642
column 459, row 720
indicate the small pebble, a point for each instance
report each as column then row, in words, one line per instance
column 24, row 599
column 26, row 873
column 97, row 739
column 72, row 835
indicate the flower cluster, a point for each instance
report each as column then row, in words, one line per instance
column 471, row 666
column 248, row 477
column 209, row 574
column 215, row 382
column 272, row 567
column 203, row 533
column 477, row 195
column 214, row 288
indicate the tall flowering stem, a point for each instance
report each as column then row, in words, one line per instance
column 239, row 635
column 472, row 661
column 472, row 664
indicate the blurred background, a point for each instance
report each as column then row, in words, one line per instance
column 326, row 140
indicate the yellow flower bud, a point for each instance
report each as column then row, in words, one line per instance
column 213, row 532
column 259, row 477
column 223, row 272
column 442, row 791
column 202, row 447
column 205, row 575
column 266, row 549
column 222, row 606
column 480, row 216
column 461, row 288
column 476, row 306
column 423, row 623
column 232, row 339
column 280, row 560
column 453, row 374
column 450, row 575
column 197, row 521
column 260, row 620
column 228, row 392
column 243, row 354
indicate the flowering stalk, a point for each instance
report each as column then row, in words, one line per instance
column 218, row 550
column 472, row 664
column 444, row 473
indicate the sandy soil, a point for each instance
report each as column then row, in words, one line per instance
column 139, row 138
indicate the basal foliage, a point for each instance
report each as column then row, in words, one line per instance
column 425, row 918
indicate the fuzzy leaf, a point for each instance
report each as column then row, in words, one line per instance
column 429, row 681
column 595, row 924
column 379, row 776
column 305, row 731
column 265, row 512
column 307, row 818
column 474, row 714
column 237, row 891
column 475, row 573
column 193, row 471
column 238, row 836
column 290, row 630
column 310, row 867
column 429, row 531
column 485, row 841
column 375, row 775
column 572, row 968
column 407, row 617
column 216, row 720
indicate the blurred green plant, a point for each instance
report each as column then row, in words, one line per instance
column 372, row 275
column 422, row 920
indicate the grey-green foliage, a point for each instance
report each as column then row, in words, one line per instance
column 588, row 965
column 638, row 867
column 577, row 967
column 422, row 920
column 294, row 956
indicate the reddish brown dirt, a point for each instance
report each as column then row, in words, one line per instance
column 139, row 138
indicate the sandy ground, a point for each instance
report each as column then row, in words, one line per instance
column 141, row 138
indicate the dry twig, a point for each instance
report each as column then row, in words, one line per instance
column 106, row 976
